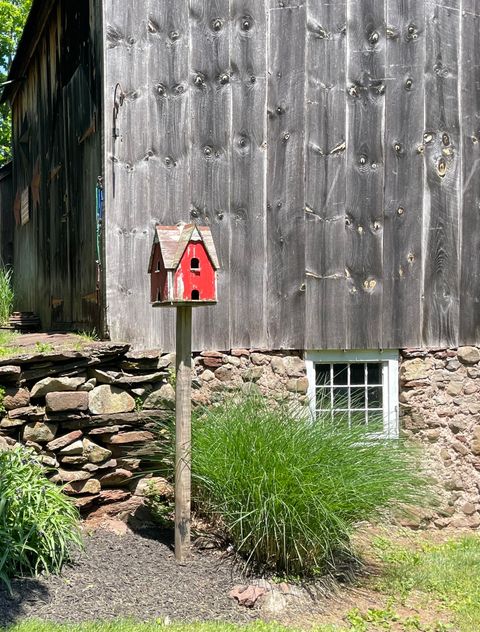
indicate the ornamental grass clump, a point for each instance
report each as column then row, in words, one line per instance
column 289, row 490
column 6, row 294
column 39, row 525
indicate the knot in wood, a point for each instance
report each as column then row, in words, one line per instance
column 398, row 148
column 279, row 110
column 208, row 151
column 253, row 79
column 243, row 141
column 352, row 91
column 376, row 225
column 194, row 212
column 199, row 80
column 374, row 38
column 408, row 84
column 279, row 205
column 174, row 35
column 247, row 23
column 442, row 167
column 412, row 32
column 362, row 160
column 428, row 137
column 286, row 137
column 446, row 139
column 400, row 210
column 224, row 78
column 220, row 215
column 410, row 257
column 169, row 161
column 217, row 24
column 161, row 89
column 179, row 89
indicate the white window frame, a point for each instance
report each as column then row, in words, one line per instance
column 389, row 360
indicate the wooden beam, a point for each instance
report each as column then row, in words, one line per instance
column 183, row 433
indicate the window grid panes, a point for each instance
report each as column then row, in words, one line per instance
column 351, row 391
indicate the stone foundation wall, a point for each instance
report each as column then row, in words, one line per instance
column 440, row 409
column 85, row 412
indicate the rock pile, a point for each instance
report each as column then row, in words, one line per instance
column 85, row 412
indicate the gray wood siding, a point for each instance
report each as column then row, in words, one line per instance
column 57, row 144
column 331, row 146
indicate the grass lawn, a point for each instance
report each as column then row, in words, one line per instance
column 423, row 582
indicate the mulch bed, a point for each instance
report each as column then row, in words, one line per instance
column 130, row 576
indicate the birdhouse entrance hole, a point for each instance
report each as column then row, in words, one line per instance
column 195, row 264
column 195, row 295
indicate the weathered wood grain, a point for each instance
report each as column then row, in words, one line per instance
column 404, row 174
column 325, row 174
column 285, row 243
column 183, row 432
column 443, row 171
column 469, row 326
column 365, row 164
column 248, row 174
column 211, row 103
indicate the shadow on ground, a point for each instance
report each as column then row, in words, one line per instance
column 26, row 593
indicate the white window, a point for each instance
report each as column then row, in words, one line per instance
column 362, row 386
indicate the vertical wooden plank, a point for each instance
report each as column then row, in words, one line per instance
column 365, row 112
column 325, row 174
column 126, row 178
column 404, row 174
column 211, row 103
column 470, row 108
column 168, row 154
column 443, row 169
column 285, row 291
column 248, row 173
column 183, row 432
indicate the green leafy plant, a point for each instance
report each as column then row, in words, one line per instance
column 288, row 490
column 38, row 523
column 6, row 294
column 43, row 347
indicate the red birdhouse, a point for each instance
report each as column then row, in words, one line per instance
column 183, row 266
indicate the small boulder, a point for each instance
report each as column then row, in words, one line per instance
column 107, row 399
column 65, row 401
column 16, row 398
column 155, row 485
column 91, row 486
column 94, row 453
column 468, row 355
column 117, row 478
column 63, row 441
column 67, row 476
column 40, row 432
column 126, row 438
column 164, row 397
column 74, row 449
column 56, row 384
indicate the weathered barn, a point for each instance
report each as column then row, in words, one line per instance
column 332, row 147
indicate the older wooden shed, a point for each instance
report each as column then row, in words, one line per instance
column 332, row 147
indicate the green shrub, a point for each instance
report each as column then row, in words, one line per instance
column 38, row 523
column 290, row 491
column 6, row 294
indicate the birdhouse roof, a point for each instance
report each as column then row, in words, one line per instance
column 174, row 240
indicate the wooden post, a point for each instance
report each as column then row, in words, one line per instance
column 183, row 432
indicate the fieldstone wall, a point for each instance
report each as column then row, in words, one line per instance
column 85, row 412
column 440, row 409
